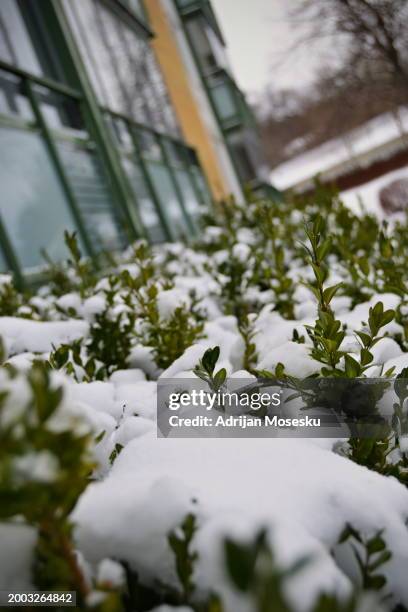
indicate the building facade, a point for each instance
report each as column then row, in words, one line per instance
column 113, row 125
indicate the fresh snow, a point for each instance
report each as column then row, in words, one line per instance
column 302, row 493
column 375, row 133
column 300, row 490
column 22, row 335
column 367, row 195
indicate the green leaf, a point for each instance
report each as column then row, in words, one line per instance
column 324, row 248
column 320, row 273
column 210, row 359
column 348, row 532
column 384, row 557
column 318, row 224
column 365, row 357
column 387, row 317
column 364, row 265
column 240, row 561
column 376, row 544
column 365, row 338
column 375, row 583
column 100, row 436
column 219, row 378
column 353, row 368
column 330, row 292
column 280, row 370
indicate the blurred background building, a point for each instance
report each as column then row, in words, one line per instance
column 118, row 119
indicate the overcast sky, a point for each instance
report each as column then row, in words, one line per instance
column 258, row 36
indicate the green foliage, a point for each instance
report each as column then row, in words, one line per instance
column 10, row 299
column 180, row 541
column 247, row 331
column 206, row 366
column 253, row 571
column 115, row 453
column 70, row 358
column 256, row 255
column 44, row 467
column 110, row 340
column 168, row 338
column 371, row 554
column 83, row 268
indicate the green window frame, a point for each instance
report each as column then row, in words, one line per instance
column 147, row 147
column 59, row 130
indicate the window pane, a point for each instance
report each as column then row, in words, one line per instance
column 121, row 65
column 202, row 185
column 86, row 176
column 190, row 199
column 61, row 112
column 12, row 100
column 149, row 145
column 168, row 197
column 137, row 7
column 33, row 206
column 15, row 44
column 240, row 152
column 146, row 207
column 224, row 101
column 205, row 54
column 175, row 152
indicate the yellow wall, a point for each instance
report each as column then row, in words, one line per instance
column 183, row 99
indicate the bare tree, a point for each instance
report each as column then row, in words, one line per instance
column 374, row 33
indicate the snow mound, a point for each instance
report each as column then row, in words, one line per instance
column 277, row 484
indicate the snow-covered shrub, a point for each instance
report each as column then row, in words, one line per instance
column 93, row 501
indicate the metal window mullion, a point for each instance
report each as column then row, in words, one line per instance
column 85, row 42
column 135, row 124
column 188, row 167
column 176, row 186
column 211, row 101
column 133, row 227
column 10, row 256
column 123, row 197
column 205, row 181
column 156, row 200
column 43, row 81
column 58, row 165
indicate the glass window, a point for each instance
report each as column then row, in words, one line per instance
column 189, row 196
column 124, row 135
column 149, row 144
column 210, row 51
column 137, row 7
column 61, row 112
column 164, row 187
column 87, row 178
column 146, row 206
column 121, row 65
column 12, row 100
column 201, row 183
column 33, row 206
column 15, row 44
column 197, row 31
column 243, row 162
column 175, row 152
column 224, row 101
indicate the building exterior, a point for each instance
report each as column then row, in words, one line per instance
column 191, row 41
column 113, row 124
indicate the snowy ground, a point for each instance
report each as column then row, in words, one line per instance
column 367, row 195
column 377, row 133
